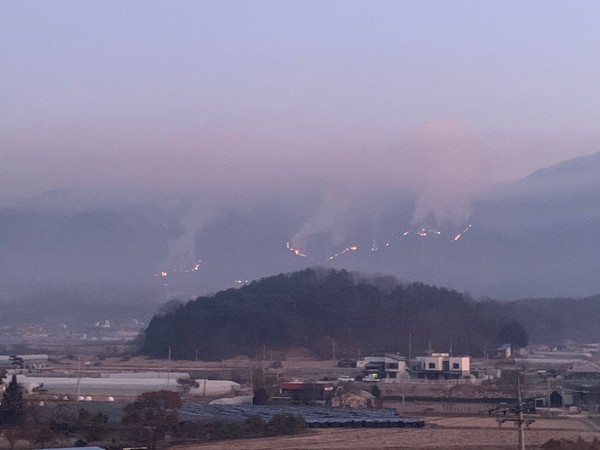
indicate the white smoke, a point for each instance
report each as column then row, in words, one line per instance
column 182, row 255
column 441, row 163
column 447, row 172
column 325, row 221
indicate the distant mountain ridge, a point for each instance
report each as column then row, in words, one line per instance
column 579, row 170
column 539, row 237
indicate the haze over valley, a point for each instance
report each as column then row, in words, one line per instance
column 299, row 224
column 531, row 238
column 187, row 148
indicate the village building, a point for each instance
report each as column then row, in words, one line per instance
column 441, row 366
column 584, row 370
column 354, row 399
column 28, row 362
column 304, row 393
column 504, row 351
column 378, row 366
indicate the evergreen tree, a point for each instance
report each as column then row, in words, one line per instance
column 513, row 333
column 12, row 408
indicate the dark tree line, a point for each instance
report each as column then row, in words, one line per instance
column 316, row 308
column 12, row 406
column 319, row 309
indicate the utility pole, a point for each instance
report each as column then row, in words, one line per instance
column 403, row 395
column 79, row 379
column 486, row 359
column 549, row 393
column 518, row 409
column 409, row 346
column 169, row 368
column 520, row 421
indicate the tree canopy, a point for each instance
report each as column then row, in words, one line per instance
column 513, row 333
column 12, row 408
column 320, row 309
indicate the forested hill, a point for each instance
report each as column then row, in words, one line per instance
column 553, row 320
column 314, row 308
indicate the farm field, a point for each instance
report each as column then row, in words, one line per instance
column 456, row 432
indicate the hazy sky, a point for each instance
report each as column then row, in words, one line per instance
column 240, row 98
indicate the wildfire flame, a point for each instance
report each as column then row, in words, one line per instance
column 295, row 251
column 194, row 268
column 420, row 232
column 352, row 248
column 459, row 235
column 298, row 252
column 423, row 232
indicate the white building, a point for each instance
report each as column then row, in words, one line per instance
column 434, row 365
column 23, row 361
column 133, row 386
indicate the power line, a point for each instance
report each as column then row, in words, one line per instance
column 518, row 409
